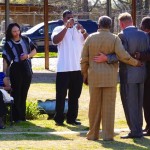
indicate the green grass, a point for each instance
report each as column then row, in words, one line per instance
column 42, row 88
column 42, row 55
column 70, row 142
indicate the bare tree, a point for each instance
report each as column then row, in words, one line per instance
column 146, row 6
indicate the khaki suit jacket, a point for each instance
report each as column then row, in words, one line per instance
column 103, row 74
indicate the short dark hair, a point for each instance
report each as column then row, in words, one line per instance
column 9, row 35
column 145, row 23
column 105, row 22
column 66, row 12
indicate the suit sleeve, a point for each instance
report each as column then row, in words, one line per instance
column 85, row 57
column 112, row 58
column 122, row 54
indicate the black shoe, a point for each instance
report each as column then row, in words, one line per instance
column 17, row 121
column 108, row 139
column 146, row 129
column 2, row 126
column 59, row 124
column 74, row 122
column 147, row 133
column 129, row 136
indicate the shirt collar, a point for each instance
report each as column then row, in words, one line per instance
column 130, row 27
column 103, row 30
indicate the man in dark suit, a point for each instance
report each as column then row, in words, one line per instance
column 2, row 111
column 131, row 78
column 145, row 56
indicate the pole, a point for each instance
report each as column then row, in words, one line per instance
column 109, row 8
column 6, row 14
column 46, row 34
column 134, row 12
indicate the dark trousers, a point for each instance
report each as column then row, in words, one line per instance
column 71, row 81
column 2, row 106
column 132, row 100
column 20, row 82
column 146, row 102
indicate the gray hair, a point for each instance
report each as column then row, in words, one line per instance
column 105, row 22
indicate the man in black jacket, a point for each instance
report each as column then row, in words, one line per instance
column 2, row 111
column 145, row 56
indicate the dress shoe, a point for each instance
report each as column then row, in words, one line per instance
column 2, row 126
column 92, row 139
column 129, row 136
column 146, row 129
column 147, row 133
column 59, row 124
column 108, row 139
column 74, row 122
column 18, row 121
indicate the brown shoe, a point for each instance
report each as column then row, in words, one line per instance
column 92, row 139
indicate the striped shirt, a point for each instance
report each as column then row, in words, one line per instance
column 13, row 50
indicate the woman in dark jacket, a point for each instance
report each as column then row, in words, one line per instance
column 17, row 54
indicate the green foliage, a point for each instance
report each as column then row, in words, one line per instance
column 25, row 1
column 31, row 111
column 42, row 55
column 19, row 1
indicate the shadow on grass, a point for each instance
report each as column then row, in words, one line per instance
column 31, row 137
column 122, row 144
column 77, row 127
column 143, row 142
column 118, row 145
column 71, row 127
column 10, row 133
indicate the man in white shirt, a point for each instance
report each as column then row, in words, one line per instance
column 69, row 39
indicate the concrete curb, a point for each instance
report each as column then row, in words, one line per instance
column 117, row 131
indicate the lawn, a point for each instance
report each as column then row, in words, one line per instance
column 42, row 88
column 42, row 55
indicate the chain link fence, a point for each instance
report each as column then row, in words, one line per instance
column 33, row 18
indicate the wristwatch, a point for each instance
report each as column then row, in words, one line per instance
column 84, row 32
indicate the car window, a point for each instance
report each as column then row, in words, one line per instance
column 51, row 27
column 89, row 26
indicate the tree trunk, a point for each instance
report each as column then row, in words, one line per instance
column 85, row 9
column 139, row 11
column 146, row 6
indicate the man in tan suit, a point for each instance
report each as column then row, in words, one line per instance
column 102, row 78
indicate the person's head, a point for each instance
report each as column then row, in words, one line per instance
column 13, row 31
column 67, row 14
column 104, row 22
column 6, row 81
column 125, row 20
column 7, row 85
column 145, row 24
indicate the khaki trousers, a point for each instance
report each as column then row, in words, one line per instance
column 101, row 107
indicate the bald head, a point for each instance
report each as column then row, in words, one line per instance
column 104, row 22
